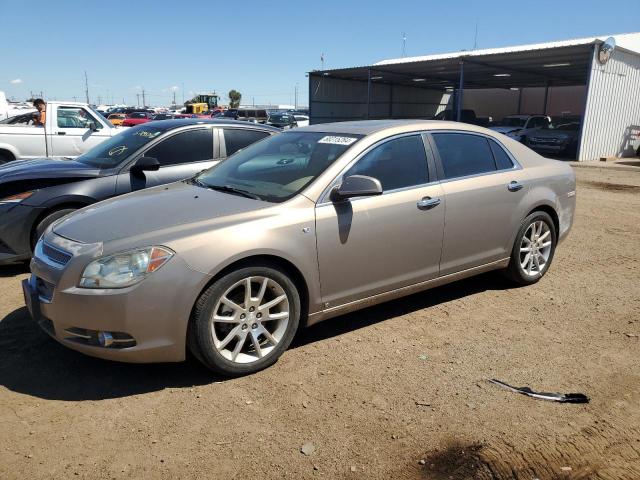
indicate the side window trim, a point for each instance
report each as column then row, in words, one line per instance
column 324, row 197
column 223, row 138
column 163, row 138
column 440, row 169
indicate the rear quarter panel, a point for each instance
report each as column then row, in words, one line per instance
column 552, row 183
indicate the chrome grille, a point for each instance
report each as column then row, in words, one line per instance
column 56, row 255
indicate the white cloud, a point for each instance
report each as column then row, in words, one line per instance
column 16, row 81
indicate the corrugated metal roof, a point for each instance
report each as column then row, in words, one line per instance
column 627, row 41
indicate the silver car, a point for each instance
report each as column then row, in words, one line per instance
column 297, row 228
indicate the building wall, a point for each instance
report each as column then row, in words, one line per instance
column 612, row 118
column 337, row 100
column 499, row 102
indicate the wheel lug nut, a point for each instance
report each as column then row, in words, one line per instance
column 242, row 315
column 251, row 309
column 259, row 315
column 244, row 327
column 255, row 325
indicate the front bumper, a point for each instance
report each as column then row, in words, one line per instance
column 153, row 313
column 16, row 225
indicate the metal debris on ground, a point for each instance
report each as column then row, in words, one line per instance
column 553, row 397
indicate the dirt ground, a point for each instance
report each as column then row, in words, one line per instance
column 394, row 391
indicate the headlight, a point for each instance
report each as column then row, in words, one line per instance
column 18, row 197
column 124, row 269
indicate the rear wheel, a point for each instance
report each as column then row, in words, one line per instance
column 245, row 321
column 533, row 249
column 46, row 221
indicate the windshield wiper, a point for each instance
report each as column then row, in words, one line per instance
column 232, row 190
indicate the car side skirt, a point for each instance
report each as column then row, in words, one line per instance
column 404, row 291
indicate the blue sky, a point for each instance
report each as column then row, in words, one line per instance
column 261, row 48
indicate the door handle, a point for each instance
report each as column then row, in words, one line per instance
column 62, row 133
column 514, row 186
column 427, row 203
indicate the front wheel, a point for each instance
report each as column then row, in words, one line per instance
column 533, row 249
column 245, row 321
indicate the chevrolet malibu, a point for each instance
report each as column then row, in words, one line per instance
column 298, row 228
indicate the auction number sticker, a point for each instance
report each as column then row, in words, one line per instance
column 337, row 140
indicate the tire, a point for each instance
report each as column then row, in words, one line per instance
column 533, row 270
column 239, row 343
column 6, row 158
column 46, row 221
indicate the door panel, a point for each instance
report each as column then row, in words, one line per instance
column 375, row 244
column 180, row 155
column 71, row 135
column 482, row 216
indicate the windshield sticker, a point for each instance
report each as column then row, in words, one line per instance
column 117, row 150
column 147, row 134
column 337, row 140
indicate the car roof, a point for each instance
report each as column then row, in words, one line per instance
column 367, row 127
column 167, row 125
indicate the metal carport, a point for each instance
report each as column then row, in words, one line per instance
column 421, row 87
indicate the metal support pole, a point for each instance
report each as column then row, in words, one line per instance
column 520, row 101
column 460, row 95
column 546, row 97
column 368, row 92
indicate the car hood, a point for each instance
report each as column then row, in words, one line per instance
column 152, row 210
column 505, row 129
column 45, row 168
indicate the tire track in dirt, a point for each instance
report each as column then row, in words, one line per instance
column 598, row 452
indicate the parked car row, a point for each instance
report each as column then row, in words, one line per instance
column 38, row 192
column 70, row 129
column 557, row 136
column 296, row 227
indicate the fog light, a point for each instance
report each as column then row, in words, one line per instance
column 105, row 339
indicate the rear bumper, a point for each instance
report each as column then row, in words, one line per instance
column 16, row 225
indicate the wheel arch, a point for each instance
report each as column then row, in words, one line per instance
column 75, row 204
column 549, row 210
column 267, row 260
column 9, row 151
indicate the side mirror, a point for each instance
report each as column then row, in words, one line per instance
column 356, row 186
column 145, row 164
column 92, row 126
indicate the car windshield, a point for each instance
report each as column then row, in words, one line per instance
column 277, row 168
column 513, row 122
column 280, row 118
column 563, row 124
column 113, row 151
column 138, row 115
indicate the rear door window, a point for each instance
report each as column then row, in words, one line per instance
column 184, row 147
column 238, row 138
column 464, row 154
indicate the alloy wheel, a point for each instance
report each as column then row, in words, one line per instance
column 250, row 319
column 535, row 248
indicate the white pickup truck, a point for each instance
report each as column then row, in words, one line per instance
column 71, row 128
